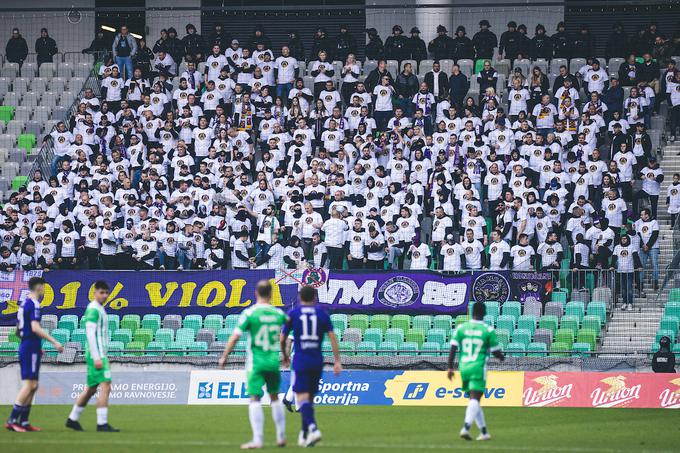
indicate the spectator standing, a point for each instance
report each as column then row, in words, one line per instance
column 396, row 46
column 219, row 37
column 462, row 45
column 98, row 45
column 416, row 46
column 45, row 47
column 541, row 45
column 296, row 46
column 484, row 41
column 561, row 42
column 124, row 49
column 194, row 46
column 143, row 58
column 618, row 45
column 583, row 45
column 458, row 86
column 16, row 49
column 375, row 50
column 663, row 360
column 437, row 82
column 510, row 45
column 345, row 44
column 322, row 42
column 173, row 46
column 441, row 47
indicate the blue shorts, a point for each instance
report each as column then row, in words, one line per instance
column 29, row 361
column 306, row 380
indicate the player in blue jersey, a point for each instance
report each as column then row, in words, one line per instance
column 309, row 324
column 30, row 351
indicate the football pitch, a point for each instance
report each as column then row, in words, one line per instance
column 355, row 429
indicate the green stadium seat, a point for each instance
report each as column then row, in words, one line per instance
column 193, row 322
column 18, row 182
column 402, row 322
column 570, row 322
column 490, row 320
column 559, row 296
column 241, row 347
column 659, row 333
column 80, row 336
column 536, row 349
column 527, row 322
column 9, row 349
column 548, row 322
column 587, row 336
column 359, row 322
column 492, row 308
column 430, row 349
column 503, row 337
column 564, row 336
column 132, row 322
column 49, row 350
column 512, row 308
column 135, row 348
column 522, row 336
column 423, row 322
column 669, row 323
column 224, row 334
column 506, row 322
column 347, row 347
column 592, row 322
column 580, row 349
column 339, row 321
column 12, row 337
column 213, row 322
column 388, row 348
column 122, row 335
column 231, row 321
column 6, row 113
column 415, row 336
column 461, row 319
column 575, row 308
column 176, row 349
column 366, row 348
column 152, row 322
column 26, row 142
column 559, row 349
column 165, row 336
column 185, row 335
column 198, row 349
column 436, row 336
column 68, row 322
column 61, row 335
column 155, row 348
column 676, row 350
column 516, row 349
column 116, row 348
column 409, row 348
column 373, row 335
column 599, row 309
column 672, row 309
column 674, row 295
column 394, row 335
column 381, row 322
column 114, row 322
column 442, row 322
column 143, row 336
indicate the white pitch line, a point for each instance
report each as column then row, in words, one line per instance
column 461, row 446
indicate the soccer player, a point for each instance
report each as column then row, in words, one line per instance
column 263, row 324
column 476, row 340
column 309, row 324
column 30, row 351
column 98, row 371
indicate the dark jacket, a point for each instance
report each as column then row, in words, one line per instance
column 406, row 85
column 222, row 39
column 484, row 81
column 624, row 77
column 264, row 39
column 663, row 362
column 583, row 45
column 297, row 47
column 441, row 47
column 649, row 71
column 396, row 48
column 462, row 48
column 46, row 48
column 510, row 45
column 613, row 97
column 561, row 45
column 175, row 47
column 345, row 44
column 458, row 88
column 484, row 43
column 194, row 44
column 16, row 50
column 443, row 83
column 541, row 47
column 617, row 45
column 524, row 45
column 559, row 82
column 375, row 49
column 373, row 79
column 417, row 49
column 322, row 43
column 98, row 45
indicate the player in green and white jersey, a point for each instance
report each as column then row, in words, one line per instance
column 98, row 370
column 262, row 323
column 476, row 340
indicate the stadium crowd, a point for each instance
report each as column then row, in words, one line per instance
column 216, row 153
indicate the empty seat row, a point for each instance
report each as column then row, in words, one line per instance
column 41, row 84
column 65, row 69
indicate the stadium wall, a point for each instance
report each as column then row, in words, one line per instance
column 179, row 385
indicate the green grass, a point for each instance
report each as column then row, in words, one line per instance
column 367, row 428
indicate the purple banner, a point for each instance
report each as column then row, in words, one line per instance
column 502, row 286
